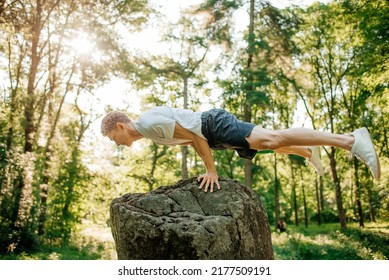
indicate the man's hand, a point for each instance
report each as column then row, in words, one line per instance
column 208, row 180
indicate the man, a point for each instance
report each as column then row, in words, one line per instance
column 218, row 129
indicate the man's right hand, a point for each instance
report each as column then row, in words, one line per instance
column 208, row 180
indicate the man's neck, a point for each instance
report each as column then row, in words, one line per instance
column 133, row 132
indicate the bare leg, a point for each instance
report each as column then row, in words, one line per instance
column 295, row 150
column 264, row 139
column 311, row 154
column 358, row 143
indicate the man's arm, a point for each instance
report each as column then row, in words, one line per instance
column 202, row 148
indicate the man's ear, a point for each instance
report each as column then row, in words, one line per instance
column 120, row 125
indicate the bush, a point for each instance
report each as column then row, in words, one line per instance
column 327, row 216
column 12, row 241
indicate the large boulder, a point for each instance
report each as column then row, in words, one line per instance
column 183, row 222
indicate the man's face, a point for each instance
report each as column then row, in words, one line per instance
column 120, row 135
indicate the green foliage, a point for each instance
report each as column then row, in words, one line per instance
column 220, row 14
column 327, row 216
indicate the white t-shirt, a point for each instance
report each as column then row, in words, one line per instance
column 159, row 122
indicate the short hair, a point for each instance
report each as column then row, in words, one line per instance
column 111, row 119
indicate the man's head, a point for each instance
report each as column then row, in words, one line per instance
column 116, row 125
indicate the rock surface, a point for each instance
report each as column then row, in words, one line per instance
column 182, row 222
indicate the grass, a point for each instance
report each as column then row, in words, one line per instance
column 327, row 242
column 65, row 252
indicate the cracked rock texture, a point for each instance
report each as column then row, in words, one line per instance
column 182, row 222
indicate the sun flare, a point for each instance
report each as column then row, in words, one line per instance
column 82, row 44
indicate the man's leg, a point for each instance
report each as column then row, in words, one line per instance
column 264, row 139
column 310, row 153
column 295, row 150
column 358, row 143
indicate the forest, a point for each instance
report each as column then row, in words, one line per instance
column 323, row 66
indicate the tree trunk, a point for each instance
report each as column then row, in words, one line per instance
column 12, row 111
column 184, row 163
column 321, row 188
column 150, row 180
column 24, row 194
column 304, row 199
column 184, row 149
column 318, row 202
column 30, row 129
column 358, row 194
column 371, row 207
column 276, row 194
column 296, row 216
column 248, row 173
column 231, row 163
column 248, row 165
column 338, row 192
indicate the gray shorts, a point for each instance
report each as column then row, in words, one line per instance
column 224, row 131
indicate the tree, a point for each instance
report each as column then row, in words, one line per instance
column 41, row 36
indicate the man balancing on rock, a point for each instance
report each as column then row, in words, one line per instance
column 218, row 129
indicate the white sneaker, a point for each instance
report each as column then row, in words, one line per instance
column 315, row 160
column 364, row 150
